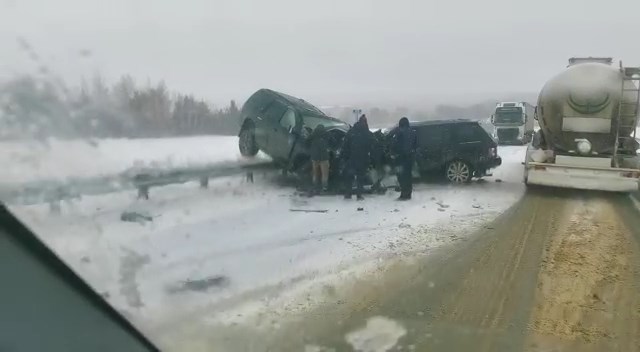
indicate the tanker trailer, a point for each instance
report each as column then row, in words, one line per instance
column 588, row 116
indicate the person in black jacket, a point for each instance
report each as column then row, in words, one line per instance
column 404, row 150
column 319, row 150
column 357, row 148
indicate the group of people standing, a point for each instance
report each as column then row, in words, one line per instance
column 358, row 149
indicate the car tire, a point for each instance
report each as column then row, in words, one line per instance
column 247, row 141
column 458, row 171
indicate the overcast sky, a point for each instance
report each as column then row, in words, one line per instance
column 327, row 51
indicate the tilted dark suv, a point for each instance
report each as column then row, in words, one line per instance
column 456, row 149
column 279, row 124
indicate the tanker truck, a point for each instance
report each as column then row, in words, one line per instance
column 587, row 139
column 513, row 122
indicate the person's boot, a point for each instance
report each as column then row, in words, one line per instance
column 404, row 197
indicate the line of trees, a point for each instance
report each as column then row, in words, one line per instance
column 42, row 108
column 38, row 108
column 380, row 116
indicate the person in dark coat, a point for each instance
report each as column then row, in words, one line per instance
column 357, row 149
column 319, row 150
column 404, row 150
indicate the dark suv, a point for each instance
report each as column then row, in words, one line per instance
column 457, row 149
column 279, row 125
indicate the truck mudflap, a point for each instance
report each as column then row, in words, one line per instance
column 591, row 178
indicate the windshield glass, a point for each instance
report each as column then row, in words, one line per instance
column 163, row 152
column 509, row 115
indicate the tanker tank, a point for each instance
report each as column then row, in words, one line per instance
column 582, row 102
column 587, row 116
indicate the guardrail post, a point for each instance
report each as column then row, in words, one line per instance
column 142, row 183
column 143, row 192
column 54, row 207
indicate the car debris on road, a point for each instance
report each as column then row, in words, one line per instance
column 310, row 210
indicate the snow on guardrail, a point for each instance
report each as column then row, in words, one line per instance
column 55, row 170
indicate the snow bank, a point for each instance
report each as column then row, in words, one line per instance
column 59, row 159
column 236, row 247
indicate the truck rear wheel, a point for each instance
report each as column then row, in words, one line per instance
column 247, row 141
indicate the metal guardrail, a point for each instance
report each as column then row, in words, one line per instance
column 144, row 180
column 50, row 191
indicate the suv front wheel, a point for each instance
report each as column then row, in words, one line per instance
column 458, row 171
column 247, row 141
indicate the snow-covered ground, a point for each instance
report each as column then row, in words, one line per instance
column 60, row 159
column 237, row 248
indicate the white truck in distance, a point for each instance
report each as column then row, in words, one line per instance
column 513, row 122
column 588, row 116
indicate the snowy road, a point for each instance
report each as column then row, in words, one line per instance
column 228, row 254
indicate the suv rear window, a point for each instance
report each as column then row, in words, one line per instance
column 432, row 136
column 469, row 133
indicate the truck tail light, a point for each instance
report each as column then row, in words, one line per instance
column 493, row 151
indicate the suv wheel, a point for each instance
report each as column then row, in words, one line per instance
column 458, row 172
column 247, row 141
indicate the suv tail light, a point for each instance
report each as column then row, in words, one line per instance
column 493, row 151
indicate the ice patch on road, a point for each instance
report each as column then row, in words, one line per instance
column 379, row 335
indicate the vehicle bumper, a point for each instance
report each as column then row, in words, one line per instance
column 613, row 179
column 490, row 164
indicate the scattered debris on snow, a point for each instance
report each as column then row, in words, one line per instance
column 200, row 285
column 134, row 216
column 379, row 335
column 309, row 210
